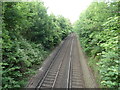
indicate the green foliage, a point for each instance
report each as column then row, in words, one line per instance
column 98, row 28
column 18, row 57
column 109, row 57
column 28, row 35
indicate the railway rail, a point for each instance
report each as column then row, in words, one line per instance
column 64, row 69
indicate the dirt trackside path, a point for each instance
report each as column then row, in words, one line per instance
column 88, row 76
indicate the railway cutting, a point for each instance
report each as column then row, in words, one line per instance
column 64, row 68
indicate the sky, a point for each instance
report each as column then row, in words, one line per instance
column 70, row 9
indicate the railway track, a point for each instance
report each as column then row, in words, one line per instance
column 65, row 67
column 77, row 80
column 52, row 73
column 65, row 70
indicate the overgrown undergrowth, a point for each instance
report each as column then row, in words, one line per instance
column 28, row 35
column 98, row 28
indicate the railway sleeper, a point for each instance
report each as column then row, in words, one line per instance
column 48, row 82
column 45, row 86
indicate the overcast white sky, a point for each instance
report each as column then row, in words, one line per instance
column 68, row 8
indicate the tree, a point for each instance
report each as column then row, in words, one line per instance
column 98, row 30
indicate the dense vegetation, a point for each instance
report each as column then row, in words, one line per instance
column 28, row 35
column 98, row 28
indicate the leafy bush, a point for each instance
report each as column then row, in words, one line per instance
column 109, row 61
column 98, row 28
column 28, row 35
column 19, row 57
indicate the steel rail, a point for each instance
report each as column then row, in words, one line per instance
column 76, row 73
column 69, row 67
column 59, row 69
column 40, row 84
